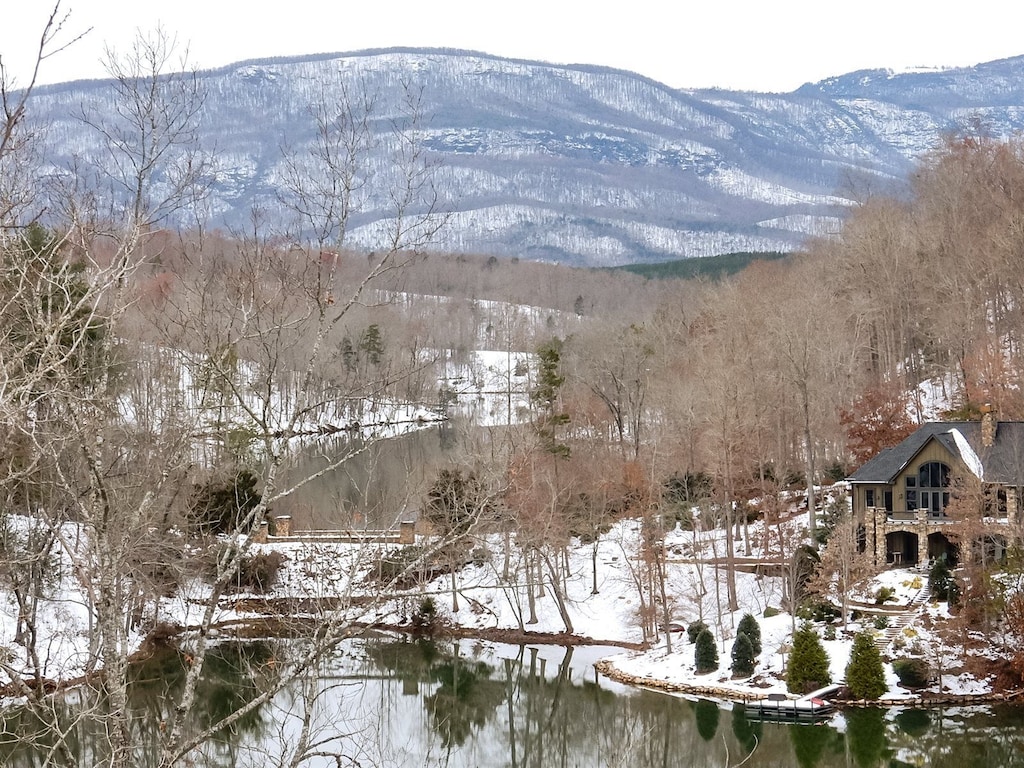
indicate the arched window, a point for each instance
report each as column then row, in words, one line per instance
column 933, row 487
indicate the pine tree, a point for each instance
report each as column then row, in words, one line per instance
column 372, row 343
column 742, row 656
column 546, row 398
column 865, row 676
column 808, row 662
column 705, row 654
column 748, row 626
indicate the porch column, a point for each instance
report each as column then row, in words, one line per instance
column 878, row 520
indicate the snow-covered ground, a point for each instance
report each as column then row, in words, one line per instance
column 697, row 590
column 491, row 596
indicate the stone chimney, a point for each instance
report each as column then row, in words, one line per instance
column 988, row 426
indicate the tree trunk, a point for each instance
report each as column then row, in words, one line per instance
column 556, row 593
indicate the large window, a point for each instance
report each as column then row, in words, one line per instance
column 911, row 493
column 932, row 488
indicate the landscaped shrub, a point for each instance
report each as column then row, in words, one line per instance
column 865, row 676
column 705, row 654
column 830, row 632
column 808, row 662
column 748, row 626
column 695, row 629
column 913, row 673
column 818, row 610
column 884, row 595
column 742, row 656
column 769, row 611
column 881, row 622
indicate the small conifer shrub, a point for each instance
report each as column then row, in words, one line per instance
column 912, row 672
column 705, row 654
column 742, row 656
column 748, row 626
column 865, row 676
column 695, row 629
column 808, row 662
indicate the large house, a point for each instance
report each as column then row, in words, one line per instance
column 948, row 484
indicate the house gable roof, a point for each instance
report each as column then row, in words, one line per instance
column 1003, row 462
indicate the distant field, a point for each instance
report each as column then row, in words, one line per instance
column 710, row 266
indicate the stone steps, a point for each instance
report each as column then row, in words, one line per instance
column 898, row 621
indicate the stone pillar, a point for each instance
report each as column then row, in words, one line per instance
column 879, row 529
column 260, row 537
column 284, row 525
column 988, row 426
column 407, row 532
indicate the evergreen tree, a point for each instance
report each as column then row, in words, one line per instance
column 546, row 398
column 748, row 626
column 372, row 343
column 695, row 629
column 941, row 583
column 742, row 656
column 864, row 674
column 56, row 331
column 349, row 356
column 705, row 654
column 222, row 504
column 808, row 662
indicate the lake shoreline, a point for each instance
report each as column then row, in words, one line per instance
column 733, row 695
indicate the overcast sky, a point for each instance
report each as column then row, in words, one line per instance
column 742, row 44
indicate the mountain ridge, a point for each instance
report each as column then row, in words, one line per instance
column 583, row 164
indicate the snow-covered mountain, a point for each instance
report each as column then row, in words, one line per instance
column 576, row 164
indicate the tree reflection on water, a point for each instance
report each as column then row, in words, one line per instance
column 405, row 702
